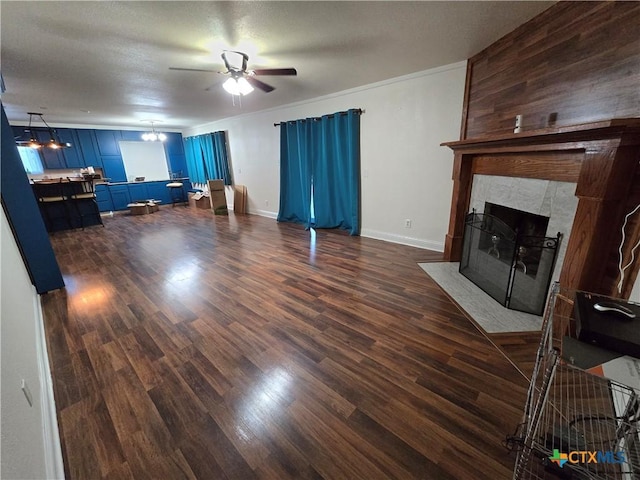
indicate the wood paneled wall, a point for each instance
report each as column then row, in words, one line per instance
column 577, row 62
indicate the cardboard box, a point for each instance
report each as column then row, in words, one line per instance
column 216, row 185
column 198, row 200
column 138, row 208
column 218, row 197
column 240, row 199
column 142, row 208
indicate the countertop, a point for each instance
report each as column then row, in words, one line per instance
column 149, row 181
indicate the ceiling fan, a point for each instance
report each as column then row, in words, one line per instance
column 242, row 80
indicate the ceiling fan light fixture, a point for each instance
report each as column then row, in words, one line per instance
column 237, row 86
column 242, row 81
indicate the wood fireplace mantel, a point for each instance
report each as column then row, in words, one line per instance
column 602, row 158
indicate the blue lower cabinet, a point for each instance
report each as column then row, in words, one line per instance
column 138, row 192
column 120, row 196
column 103, row 197
column 117, row 197
column 159, row 191
column 114, row 168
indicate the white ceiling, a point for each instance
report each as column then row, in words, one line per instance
column 112, row 59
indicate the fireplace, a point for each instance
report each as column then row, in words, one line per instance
column 600, row 158
column 524, row 224
column 505, row 252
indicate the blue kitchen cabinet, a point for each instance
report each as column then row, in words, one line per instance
column 175, row 154
column 120, row 196
column 131, row 135
column 138, row 192
column 107, row 142
column 88, row 148
column 173, row 144
column 103, row 197
column 159, row 191
column 113, row 168
column 72, row 155
column 178, row 165
column 52, row 158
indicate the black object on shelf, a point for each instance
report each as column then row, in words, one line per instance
column 607, row 329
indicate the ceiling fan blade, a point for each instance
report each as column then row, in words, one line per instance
column 258, row 84
column 275, row 71
column 191, row 69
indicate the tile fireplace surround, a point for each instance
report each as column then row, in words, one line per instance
column 549, row 198
column 599, row 160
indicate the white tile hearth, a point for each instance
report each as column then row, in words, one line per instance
column 488, row 314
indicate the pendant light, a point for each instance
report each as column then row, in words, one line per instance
column 54, row 142
column 153, row 136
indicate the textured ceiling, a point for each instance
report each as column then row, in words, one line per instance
column 107, row 63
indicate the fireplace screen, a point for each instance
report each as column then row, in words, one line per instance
column 513, row 268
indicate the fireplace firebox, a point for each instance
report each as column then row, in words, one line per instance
column 505, row 252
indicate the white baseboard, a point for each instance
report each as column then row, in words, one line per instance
column 388, row 237
column 50, row 434
column 403, row 240
column 264, row 213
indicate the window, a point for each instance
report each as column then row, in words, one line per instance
column 31, row 160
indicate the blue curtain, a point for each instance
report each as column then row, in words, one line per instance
column 336, row 172
column 220, row 158
column 206, row 144
column 193, row 154
column 320, row 163
column 295, row 172
column 207, row 157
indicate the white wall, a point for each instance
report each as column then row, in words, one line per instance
column 406, row 174
column 30, row 443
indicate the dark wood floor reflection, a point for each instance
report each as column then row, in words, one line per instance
column 194, row 346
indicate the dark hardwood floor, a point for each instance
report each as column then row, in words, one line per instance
column 192, row 346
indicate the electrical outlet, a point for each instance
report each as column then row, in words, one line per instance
column 266, row 203
column 407, row 223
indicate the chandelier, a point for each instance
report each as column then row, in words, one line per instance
column 153, row 136
column 54, row 142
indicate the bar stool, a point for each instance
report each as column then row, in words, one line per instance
column 52, row 202
column 82, row 193
column 176, row 192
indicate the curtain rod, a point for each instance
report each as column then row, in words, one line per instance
column 358, row 110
